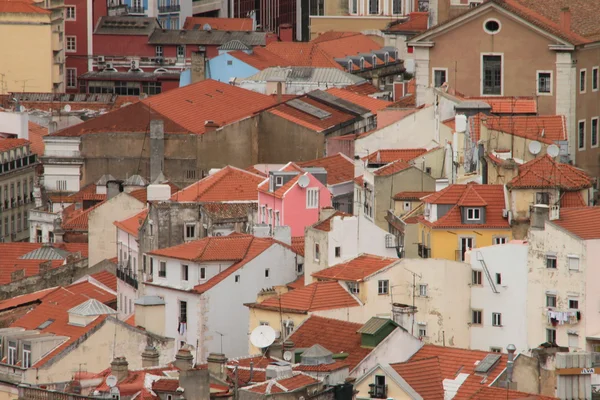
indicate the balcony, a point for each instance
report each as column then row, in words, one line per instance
column 423, row 252
column 136, row 10
column 125, row 274
column 18, row 164
column 378, row 391
column 57, row 44
column 117, row 9
column 32, row 393
column 169, row 8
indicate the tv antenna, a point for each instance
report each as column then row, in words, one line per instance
column 220, row 334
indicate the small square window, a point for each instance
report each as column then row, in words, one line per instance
column 190, row 231
column 496, row 319
column 551, row 262
column 573, row 304
column 542, row 198
column 573, row 263
column 237, row 279
column 439, row 77
column 353, row 287
column 279, row 181
column 550, row 300
column 422, row 332
column 338, row 251
column 499, row 240
column 476, row 277
column 229, row 62
column 496, row 349
column 70, row 13
column 476, row 317
column 407, row 205
column 266, row 272
column 383, row 286
column 473, row 214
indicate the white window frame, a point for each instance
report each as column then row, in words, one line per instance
column 26, row 356
column 383, row 287
column 582, row 71
column 537, row 83
column 551, row 257
column 317, row 252
column 202, row 274
column 473, row 311
column 551, row 296
column 181, row 46
column 422, row 331
column 499, row 240
column 159, row 51
column 74, row 49
column 353, row 287
column 312, row 198
column 279, row 181
column 592, row 131
column 74, row 17
column 407, row 205
column 490, row 32
column 423, row 290
column 595, row 72
column 185, row 272
column 277, row 220
column 185, row 230
column 496, row 319
column 573, row 257
column 475, row 210
column 581, row 143
column 433, row 71
column 481, row 74
column 350, row 7
column 68, row 78
column 12, row 353
column 479, row 274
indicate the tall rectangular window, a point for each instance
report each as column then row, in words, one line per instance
column 383, row 286
column 71, row 44
column 190, row 231
column 162, row 269
column 26, row 355
column 202, row 273
column 492, row 75
column 582, row 80
column 182, row 311
column 551, row 262
column 71, row 77
column 551, row 335
column 476, row 317
column 544, row 82
column 70, row 13
column 312, row 198
column 184, row 272
column 373, row 6
column 476, row 277
column 180, row 51
column 354, row 7
column 595, row 79
column 439, row 77
column 397, row 7
column 423, row 290
column 159, row 51
column 496, row 319
column 594, row 132
column 581, row 135
column 12, row 353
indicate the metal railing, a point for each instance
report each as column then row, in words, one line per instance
column 18, row 163
column 31, row 393
column 125, row 274
column 378, row 391
column 135, row 10
column 169, row 8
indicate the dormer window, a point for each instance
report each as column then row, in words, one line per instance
column 374, row 61
column 473, row 214
column 350, row 65
column 362, row 63
column 386, row 58
column 353, row 287
column 26, row 355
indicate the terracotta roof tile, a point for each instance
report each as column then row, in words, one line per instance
column 450, row 123
column 414, row 196
column 359, row 180
column 392, row 168
column 92, row 291
column 166, row 385
column 367, row 102
column 107, row 279
column 255, row 171
column 135, row 381
column 24, row 7
column 325, row 225
column 260, row 58
column 544, row 172
column 408, row 101
column 132, row 225
column 495, row 393
column 220, row 24
column 335, row 118
column 339, row 168
column 314, row 297
column 471, row 198
column 297, row 284
column 335, row 335
column 572, row 199
column 547, row 129
column 298, row 245
column 19, row 301
column 364, row 89
column 424, row 376
column 36, row 138
column 302, row 54
column 356, row 269
column 332, row 35
column 337, row 365
column 386, row 156
column 296, row 382
column 582, row 222
column 9, row 144
column 492, row 195
column 281, row 191
column 78, row 220
column 417, row 22
column 509, row 104
column 130, row 320
column 228, row 184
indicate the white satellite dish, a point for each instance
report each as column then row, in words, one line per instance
column 67, row 108
column 287, row 356
column 553, row 150
column 111, row 381
column 535, row 147
column 303, row 181
column 262, row 336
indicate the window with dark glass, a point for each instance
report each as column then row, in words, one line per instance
column 373, row 6
column 439, row 77
column 492, row 75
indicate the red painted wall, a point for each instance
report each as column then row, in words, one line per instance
column 77, row 28
column 122, row 45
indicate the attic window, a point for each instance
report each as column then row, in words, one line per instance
column 491, row 26
column 45, row 324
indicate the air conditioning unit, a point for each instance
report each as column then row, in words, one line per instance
column 100, row 59
column 109, row 65
column 505, row 213
column 135, row 64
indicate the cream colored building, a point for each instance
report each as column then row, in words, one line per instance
column 102, row 233
column 34, row 62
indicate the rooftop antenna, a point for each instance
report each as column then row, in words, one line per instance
column 414, row 287
column 220, row 334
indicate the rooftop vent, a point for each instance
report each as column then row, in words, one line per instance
column 86, row 312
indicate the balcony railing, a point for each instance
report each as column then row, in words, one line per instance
column 423, row 252
column 169, row 8
column 125, row 274
column 17, row 164
column 135, row 10
column 31, row 393
column 378, row 391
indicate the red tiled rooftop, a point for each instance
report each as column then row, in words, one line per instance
column 582, row 222
column 386, row 156
column 413, row 196
column 335, row 335
column 546, row 129
column 260, row 58
column 545, row 172
column 92, row 291
column 495, row 393
column 424, row 376
column 297, row 284
column 134, row 383
column 364, row 89
column 572, row 199
column 298, row 245
column 9, row 144
column 18, row 301
column 416, row 22
column 339, row 168
column 392, row 168
column 302, row 54
column 337, row 365
column 314, row 297
column 359, row 180
column 21, row 7
column 132, row 225
column 36, row 138
column 469, row 194
column 78, row 220
column 219, row 24
column 325, row 225
column 367, row 102
column 509, row 105
column 356, row 269
column 228, row 184
column 309, row 121
column 165, row 385
column 296, row 382
column 107, row 279
column 332, row 35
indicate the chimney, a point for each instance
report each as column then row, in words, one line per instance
column 399, row 89
column 539, row 214
column 286, row 33
column 119, row 367
column 58, row 231
column 217, row 365
column 279, row 89
column 157, row 148
column 288, row 345
column 198, row 66
column 276, row 349
column 184, row 359
column 511, row 362
column 113, row 188
column 195, row 384
column 150, row 357
column 565, row 19
column 326, row 212
column 210, row 125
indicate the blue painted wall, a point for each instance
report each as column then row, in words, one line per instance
column 185, row 78
column 220, row 70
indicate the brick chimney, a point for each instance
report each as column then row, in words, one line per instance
column 217, row 365
column 184, row 359
column 119, row 367
column 286, row 33
column 565, row 19
column 150, row 357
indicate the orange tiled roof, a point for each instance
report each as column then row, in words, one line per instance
column 386, row 156
column 9, row 144
column 132, row 225
column 130, row 320
column 356, row 269
column 364, row 89
column 281, row 191
column 509, row 104
column 296, row 382
column 471, row 194
column 255, row 171
column 78, row 220
column 325, row 225
column 302, row 54
column 107, row 279
column 332, row 35
column 572, row 199
column 359, row 180
column 495, row 393
column 367, row 102
column 553, row 127
column 92, row 291
column 297, row 284
column 450, row 123
column 259, row 365
column 166, row 385
column 339, row 168
column 228, row 184
column 544, row 172
column 414, row 196
column 309, row 121
column 134, row 383
column 391, row 168
column 582, row 222
column 36, row 138
column 298, row 245
column 220, row 24
column 24, row 299
column 453, row 361
column 260, row 58
column 22, row 7
column 335, row 335
column 416, row 22
column 424, row 376
column 322, row 367
column 314, row 297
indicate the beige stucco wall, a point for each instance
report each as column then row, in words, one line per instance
column 312, row 265
column 522, row 199
column 27, row 62
column 102, row 232
column 96, row 353
column 273, row 318
column 394, row 390
column 335, row 20
column 497, row 140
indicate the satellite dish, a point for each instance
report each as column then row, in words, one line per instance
column 535, row 147
column 287, row 356
column 553, row 150
column 207, row 27
column 67, row 108
column 262, row 336
column 111, row 381
column 303, row 181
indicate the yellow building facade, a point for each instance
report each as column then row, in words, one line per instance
column 32, row 48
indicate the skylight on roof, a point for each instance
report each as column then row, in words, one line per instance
column 45, row 324
column 487, row 363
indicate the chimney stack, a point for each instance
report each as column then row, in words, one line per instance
column 565, row 19
column 198, row 70
column 157, row 148
column 119, row 367
column 150, row 357
column 113, row 188
column 217, row 365
column 184, row 359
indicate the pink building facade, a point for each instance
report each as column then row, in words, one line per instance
column 293, row 197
